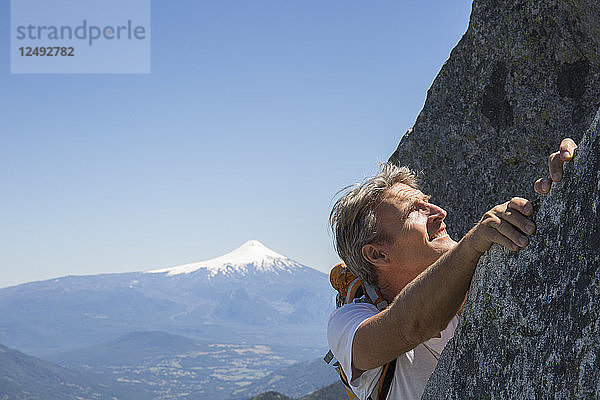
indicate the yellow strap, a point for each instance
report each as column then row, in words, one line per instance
column 351, row 396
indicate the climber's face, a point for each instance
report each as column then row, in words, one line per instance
column 414, row 229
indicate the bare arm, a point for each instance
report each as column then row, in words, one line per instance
column 427, row 304
column 421, row 310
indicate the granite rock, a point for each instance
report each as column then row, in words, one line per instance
column 525, row 75
column 531, row 325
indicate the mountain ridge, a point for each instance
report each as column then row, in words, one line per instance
column 233, row 326
column 246, row 304
column 252, row 253
column 258, row 259
column 25, row 377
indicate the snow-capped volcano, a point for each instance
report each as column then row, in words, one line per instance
column 251, row 294
column 252, row 255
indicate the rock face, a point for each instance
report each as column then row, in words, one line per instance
column 531, row 325
column 525, row 75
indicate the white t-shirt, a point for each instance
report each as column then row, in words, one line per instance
column 413, row 368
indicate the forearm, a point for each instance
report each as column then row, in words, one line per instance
column 435, row 296
column 421, row 310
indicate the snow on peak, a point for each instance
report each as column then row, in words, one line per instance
column 252, row 253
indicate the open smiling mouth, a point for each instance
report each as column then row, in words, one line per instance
column 440, row 233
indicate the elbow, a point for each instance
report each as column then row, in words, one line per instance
column 421, row 330
column 418, row 332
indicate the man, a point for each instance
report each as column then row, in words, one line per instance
column 390, row 235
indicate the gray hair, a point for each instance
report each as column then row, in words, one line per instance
column 354, row 221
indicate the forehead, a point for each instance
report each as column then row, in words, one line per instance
column 401, row 193
column 396, row 205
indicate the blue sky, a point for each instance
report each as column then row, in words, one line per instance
column 254, row 115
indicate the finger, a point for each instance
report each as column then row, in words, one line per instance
column 497, row 237
column 542, row 185
column 555, row 166
column 520, row 204
column 567, row 149
column 507, row 230
column 494, row 221
column 519, row 221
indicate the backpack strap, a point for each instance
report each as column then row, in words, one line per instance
column 328, row 357
column 385, row 381
column 384, row 384
column 349, row 392
column 375, row 297
column 352, row 289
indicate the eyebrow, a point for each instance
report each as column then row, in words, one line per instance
column 409, row 203
column 423, row 197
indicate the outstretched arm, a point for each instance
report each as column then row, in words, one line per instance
column 426, row 305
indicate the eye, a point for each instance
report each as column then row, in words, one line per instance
column 415, row 208
column 420, row 205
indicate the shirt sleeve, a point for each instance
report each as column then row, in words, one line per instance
column 341, row 329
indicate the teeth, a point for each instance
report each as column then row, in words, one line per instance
column 440, row 233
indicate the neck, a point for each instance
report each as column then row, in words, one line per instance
column 392, row 281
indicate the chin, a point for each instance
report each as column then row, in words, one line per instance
column 443, row 244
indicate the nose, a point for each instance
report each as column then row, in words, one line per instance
column 434, row 212
column 439, row 211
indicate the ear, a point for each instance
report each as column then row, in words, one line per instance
column 374, row 254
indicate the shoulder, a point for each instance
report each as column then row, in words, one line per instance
column 356, row 307
column 344, row 321
column 351, row 312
